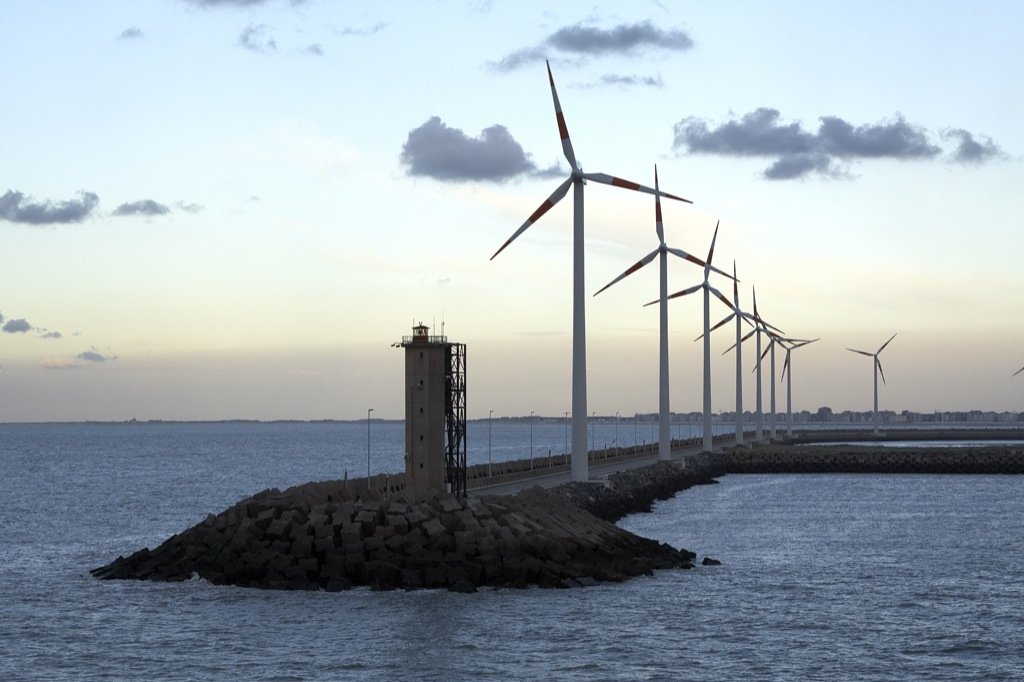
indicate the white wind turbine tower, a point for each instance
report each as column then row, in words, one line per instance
column 877, row 370
column 790, row 345
column 664, row 427
column 579, row 343
column 708, row 290
column 773, row 338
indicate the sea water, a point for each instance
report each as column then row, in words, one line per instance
column 823, row 577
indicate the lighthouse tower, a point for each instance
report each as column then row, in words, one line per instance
column 435, row 413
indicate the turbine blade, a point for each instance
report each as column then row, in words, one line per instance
column 767, row 348
column 728, row 349
column 687, row 292
column 719, row 324
column 880, row 370
column 722, row 298
column 1018, row 372
column 886, row 343
column 629, row 184
column 555, row 197
column 563, row 130
column 735, row 285
column 711, row 252
column 685, row 256
column 631, row 269
column 862, row 352
column 658, row 225
column 748, row 334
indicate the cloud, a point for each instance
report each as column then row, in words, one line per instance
column 92, row 356
column 799, row 152
column 376, row 28
column 252, row 39
column 15, row 207
column 141, row 207
column 130, row 32
column 18, row 326
column 587, row 41
column 627, row 81
column 189, row 208
column 58, row 363
column 51, row 335
column 971, row 150
column 438, row 151
column 315, row 49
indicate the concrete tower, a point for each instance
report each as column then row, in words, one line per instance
column 435, row 413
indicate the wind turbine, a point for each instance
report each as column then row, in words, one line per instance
column 1017, row 372
column 760, row 326
column 576, row 179
column 772, row 340
column 878, row 370
column 789, row 345
column 740, row 318
column 708, row 290
column 664, row 427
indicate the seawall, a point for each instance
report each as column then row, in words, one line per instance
column 337, row 534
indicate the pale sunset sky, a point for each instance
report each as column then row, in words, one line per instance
column 215, row 209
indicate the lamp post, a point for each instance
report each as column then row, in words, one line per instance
column 490, row 415
column 566, row 433
column 593, row 441
column 368, row 411
column 616, row 430
column 531, row 439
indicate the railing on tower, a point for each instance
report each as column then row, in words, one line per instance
column 455, row 418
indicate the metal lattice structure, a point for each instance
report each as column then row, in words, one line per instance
column 455, row 418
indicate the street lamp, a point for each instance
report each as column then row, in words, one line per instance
column 368, row 411
column 531, row 439
column 490, row 414
column 566, row 451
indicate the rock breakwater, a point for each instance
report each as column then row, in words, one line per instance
column 308, row 538
column 775, row 459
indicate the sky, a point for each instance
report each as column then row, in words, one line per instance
column 221, row 209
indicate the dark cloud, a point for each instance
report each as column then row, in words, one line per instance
column 971, row 150
column 627, row 81
column 438, row 151
column 141, row 207
column 18, row 326
column 625, row 38
column 799, row 165
column 92, row 356
column 52, row 335
column 17, row 208
column 799, row 152
column 130, row 32
column 588, row 41
column 252, row 39
column 894, row 139
column 316, row 50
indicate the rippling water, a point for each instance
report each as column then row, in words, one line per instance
column 854, row 577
